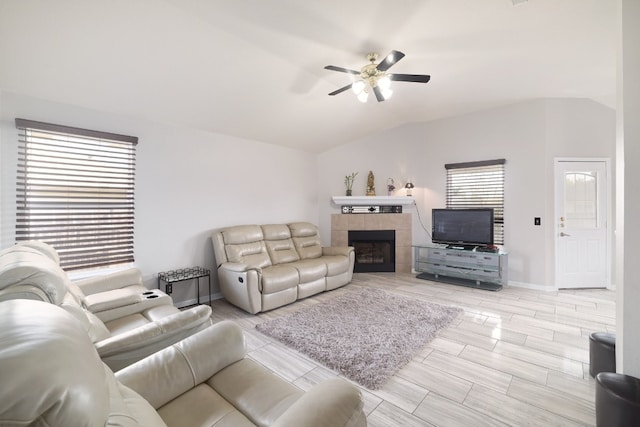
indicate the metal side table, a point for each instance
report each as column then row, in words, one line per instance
column 175, row 276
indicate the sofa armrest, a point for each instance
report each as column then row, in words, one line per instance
column 175, row 370
column 123, row 349
column 145, row 302
column 337, row 250
column 241, row 285
column 237, row 267
column 108, row 282
column 332, row 403
column 109, row 300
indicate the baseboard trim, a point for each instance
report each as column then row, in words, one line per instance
column 533, row 286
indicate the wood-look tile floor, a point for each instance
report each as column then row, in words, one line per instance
column 514, row 357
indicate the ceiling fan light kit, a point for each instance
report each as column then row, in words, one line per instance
column 374, row 78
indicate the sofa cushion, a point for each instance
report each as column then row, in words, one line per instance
column 336, row 264
column 133, row 410
column 43, row 248
column 202, row 406
column 127, row 323
column 308, row 247
column 242, row 234
column 253, row 391
column 245, row 244
column 275, row 232
column 310, row 269
column 252, row 254
column 278, row 278
column 282, row 251
column 306, row 239
column 24, row 267
column 279, row 244
column 303, row 229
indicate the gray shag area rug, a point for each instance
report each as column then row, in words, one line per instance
column 366, row 335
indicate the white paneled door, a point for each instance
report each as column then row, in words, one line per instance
column 581, row 223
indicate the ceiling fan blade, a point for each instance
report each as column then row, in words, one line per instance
column 417, row 78
column 378, row 93
column 342, row 89
column 393, row 57
column 342, row 70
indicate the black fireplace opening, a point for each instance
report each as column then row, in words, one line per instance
column 375, row 250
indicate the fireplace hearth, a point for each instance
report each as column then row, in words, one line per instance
column 375, row 250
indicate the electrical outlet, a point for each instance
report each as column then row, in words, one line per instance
column 536, row 220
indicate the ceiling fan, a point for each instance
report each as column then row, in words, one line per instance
column 375, row 77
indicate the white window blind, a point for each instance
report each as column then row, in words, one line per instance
column 75, row 191
column 478, row 185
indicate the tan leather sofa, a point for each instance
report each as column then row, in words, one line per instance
column 262, row 267
column 125, row 320
column 52, row 376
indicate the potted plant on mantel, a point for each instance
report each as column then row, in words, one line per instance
column 348, row 182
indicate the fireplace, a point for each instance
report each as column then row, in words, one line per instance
column 375, row 250
column 341, row 224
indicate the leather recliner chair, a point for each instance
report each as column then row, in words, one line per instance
column 108, row 296
column 122, row 334
column 52, row 376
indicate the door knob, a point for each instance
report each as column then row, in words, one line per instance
column 564, row 234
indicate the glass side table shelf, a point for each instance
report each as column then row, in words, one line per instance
column 182, row 275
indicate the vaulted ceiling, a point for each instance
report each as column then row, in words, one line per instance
column 254, row 68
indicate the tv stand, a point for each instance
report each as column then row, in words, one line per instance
column 471, row 268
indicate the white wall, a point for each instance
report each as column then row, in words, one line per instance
column 578, row 128
column 190, row 182
column 2, row 179
column 628, row 196
column 528, row 135
column 187, row 184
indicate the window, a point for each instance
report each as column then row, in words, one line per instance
column 581, row 199
column 75, row 192
column 478, row 185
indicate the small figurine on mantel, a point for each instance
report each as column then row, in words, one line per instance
column 371, row 188
column 390, row 186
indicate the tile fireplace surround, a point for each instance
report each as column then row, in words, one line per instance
column 401, row 223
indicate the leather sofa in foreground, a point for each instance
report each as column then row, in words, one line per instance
column 125, row 320
column 52, row 376
column 262, row 267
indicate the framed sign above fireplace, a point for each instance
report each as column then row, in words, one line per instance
column 372, row 200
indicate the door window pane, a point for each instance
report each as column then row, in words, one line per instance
column 581, row 200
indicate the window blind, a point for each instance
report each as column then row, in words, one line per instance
column 478, row 185
column 75, row 191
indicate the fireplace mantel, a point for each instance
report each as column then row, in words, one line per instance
column 372, row 200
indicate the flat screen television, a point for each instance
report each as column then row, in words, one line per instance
column 464, row 227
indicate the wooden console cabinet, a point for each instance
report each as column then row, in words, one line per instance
column 472, row 268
